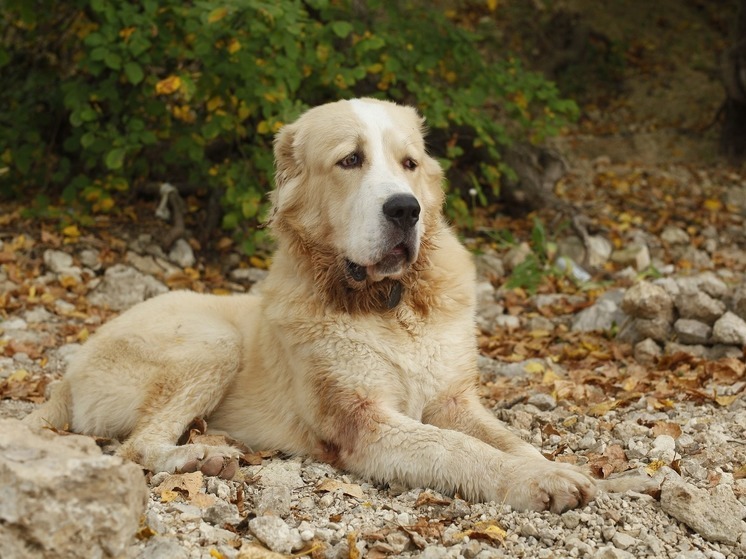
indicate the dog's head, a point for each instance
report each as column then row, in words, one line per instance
column 354, row 180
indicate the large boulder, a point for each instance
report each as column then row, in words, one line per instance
column 61, row 498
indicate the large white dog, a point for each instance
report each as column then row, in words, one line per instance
column 361, row 351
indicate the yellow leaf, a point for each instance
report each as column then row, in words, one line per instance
column 234, row 46
column 550, row 377
column 257, row 262
column 740, row 472
column 68, row 281
column 489, row 529
column 660, row 404
column 494, row 532
column 254, row 551
column 18, row 376
column 214, row 103
column 602, row 408
column 263, row 127
column 217, row 14
column 654, row 466
column 726, row 400
column 167, row 495
column 629, row 384
column 216, row 554
column 570, row 421
column 492, row 5
column 83, row 335
column 126, row 32
column 353, row 552
column 71, row 231
column 221, row 291
column 713, row 205
column 168, row 85
column 104, row 205
column 534, row 367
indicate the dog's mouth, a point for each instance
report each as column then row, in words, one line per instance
column 391, row 265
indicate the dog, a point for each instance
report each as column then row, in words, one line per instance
column 360, row 352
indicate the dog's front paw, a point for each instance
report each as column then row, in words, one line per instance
column 543, row 485
column 221, row 461
column 220, row 466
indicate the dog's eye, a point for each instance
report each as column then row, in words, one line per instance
column 409, row 164
column 351, row 161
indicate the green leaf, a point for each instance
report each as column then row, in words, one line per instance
column 113, row 60
column 115, row 158
column 341, row 28
column 99, row 53
column 88, row 114
column 134, row 72
column 87, row 139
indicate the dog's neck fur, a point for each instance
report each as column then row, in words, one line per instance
column 337, row 290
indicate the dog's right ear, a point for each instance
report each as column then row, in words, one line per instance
column 287, row 168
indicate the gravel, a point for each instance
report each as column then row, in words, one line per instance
column 298, row 506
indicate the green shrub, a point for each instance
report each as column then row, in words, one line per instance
column 99, row 96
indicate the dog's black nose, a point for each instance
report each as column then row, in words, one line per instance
column 403, row 210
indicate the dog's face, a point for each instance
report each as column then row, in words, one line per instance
column 354, row 177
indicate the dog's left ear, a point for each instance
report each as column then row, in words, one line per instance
column 433, row 171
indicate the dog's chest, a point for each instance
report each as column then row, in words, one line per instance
column 432, row 357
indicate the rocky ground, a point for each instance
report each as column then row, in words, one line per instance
column 626, row 356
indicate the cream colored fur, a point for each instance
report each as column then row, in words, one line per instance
column 320, row 365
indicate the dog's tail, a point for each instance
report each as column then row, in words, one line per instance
column 56, row 413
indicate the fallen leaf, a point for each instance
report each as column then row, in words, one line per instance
column 602, row 408
column 189, row 483
column 253, row 551
column 423, row 529
column 18, row 375
column 167, row 495
column 256, row 458
column 654, row 466
column 429, row 498
column 351, row 489
column 204, row 500
column 71, row 232
column 666, row 428
column 488, row 530
column 727, row 369
column 613, row 460
column 740, row 472
column 726, row 401
column 534, row 367
column 352, row 551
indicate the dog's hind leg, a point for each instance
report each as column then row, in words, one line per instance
column 193, row 386
column 55, row 413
